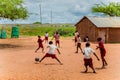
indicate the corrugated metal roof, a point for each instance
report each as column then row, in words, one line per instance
column 105, row 21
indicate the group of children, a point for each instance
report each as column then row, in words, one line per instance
column 86, row 52
column 51, row 46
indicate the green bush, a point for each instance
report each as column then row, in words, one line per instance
column 40, row 30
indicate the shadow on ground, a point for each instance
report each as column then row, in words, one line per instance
column 2, row 46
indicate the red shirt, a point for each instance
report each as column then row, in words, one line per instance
column 57, row 36
column 101, row 47
column 40, row 41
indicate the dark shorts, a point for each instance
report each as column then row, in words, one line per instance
column 46, row 38
column 88, row 62
column 78, row 44
column 40, row 46
column 50, row 55
column 102, row 52
column 57, row 41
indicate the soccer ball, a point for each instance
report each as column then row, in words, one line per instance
column 36, row 59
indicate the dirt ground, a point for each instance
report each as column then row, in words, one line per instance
column 17, row 62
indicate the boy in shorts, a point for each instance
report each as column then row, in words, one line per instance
column 102, row 52
column 87, row 57
column 51, row 53
column 78, row 43
column 40, row 45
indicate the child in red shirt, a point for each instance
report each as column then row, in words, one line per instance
column 102, row 52
column 57, row 39
column 40, row 44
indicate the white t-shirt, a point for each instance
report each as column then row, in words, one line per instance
column 52, row 49
column 87, row 52
column 76, row 34
column 78, row 40
column 46, row 35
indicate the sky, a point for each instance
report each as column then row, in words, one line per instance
column 62, row 11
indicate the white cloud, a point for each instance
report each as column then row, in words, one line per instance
column 63, row 11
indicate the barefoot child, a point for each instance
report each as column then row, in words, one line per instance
column 46, row 37
column 40, row 45
column 51, row 53
column 57, row 39
column 102, row 51
column 87, row 57
column 78, row 43
column 75, row 37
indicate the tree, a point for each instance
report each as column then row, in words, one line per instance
column 13, row 9
column 112, row 9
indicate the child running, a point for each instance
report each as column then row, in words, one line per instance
column 87, row 57
column 46, row 37
column 51, row 53
column 57, row 39
column 78, row 43
column 102, row 52
column 40, row 45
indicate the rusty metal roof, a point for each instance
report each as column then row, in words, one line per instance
column 105, row 21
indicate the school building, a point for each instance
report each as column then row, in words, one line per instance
column 108, row 28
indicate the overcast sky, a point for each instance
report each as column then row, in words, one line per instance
column 63, row 11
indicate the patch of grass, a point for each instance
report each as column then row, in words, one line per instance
column 32, row 30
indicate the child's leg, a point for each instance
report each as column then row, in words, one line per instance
column 42, row 58
column 59, row 44
column 43, row 49
column 86, row 69
column 104, row 62
column 56, row 43
column 77, row 49
column 37, row 49
column 80, row 48
column 58, row 60
column 91, row 65
column 93, row 70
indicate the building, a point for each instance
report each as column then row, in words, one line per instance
column 108, row 28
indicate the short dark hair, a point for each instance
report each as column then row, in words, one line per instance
column 39, row 36
column 99, row 39
column 50, row 42
column 87, row 44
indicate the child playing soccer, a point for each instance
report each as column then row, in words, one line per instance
column 51, row 53
column 40, row 44
column 102, row 52
column 78, row 43
column 46, row 37
column 57, row 39
column 87, row 57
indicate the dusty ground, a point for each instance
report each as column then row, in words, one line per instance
column 17, row 62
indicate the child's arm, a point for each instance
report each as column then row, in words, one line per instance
column 58, row 51
column 43, row 40
column 96, row 56
column 100, row 45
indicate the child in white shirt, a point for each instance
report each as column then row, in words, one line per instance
column 51, row 53
column 87, row 57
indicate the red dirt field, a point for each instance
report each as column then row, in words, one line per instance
column 17, row 62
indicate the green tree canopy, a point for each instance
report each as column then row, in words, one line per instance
column 112, row 9
column 12, row 9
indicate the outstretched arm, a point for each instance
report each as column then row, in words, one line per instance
column 96, row 56
column 58, row 51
